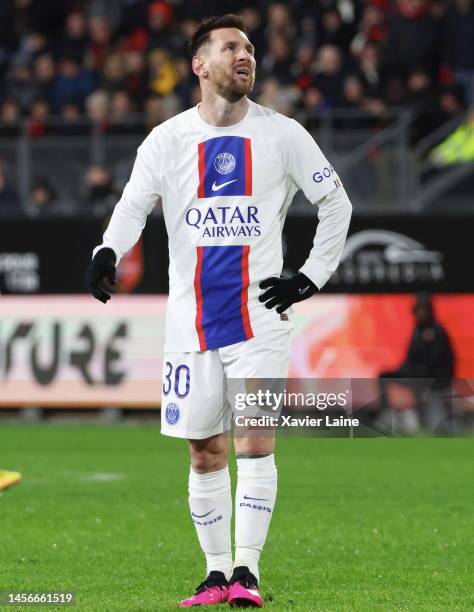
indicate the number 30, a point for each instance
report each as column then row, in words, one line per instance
column 167, row 383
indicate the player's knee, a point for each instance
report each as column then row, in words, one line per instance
column 208, row 455
column 204, row 462
column 254, row 446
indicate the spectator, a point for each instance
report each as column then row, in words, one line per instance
column 97, row 109
column 71, row 112
column 100, row 193
column 10, row 113
column 113, row 75
column 73, row 122
column 43, row 199
column 20, row 86
column 307, row 31
column 279, row 98
column 121, row 107
column 44, row 76
column 160, row 18
column 279, row 22
column 368, row 60
column 9, row 201
column 153, row 107
column 73, row 83
column 459, row 44
column 253, row 22
column 372, row 28
column 123, row 118
column 171, row 106
column 10, row 119
column 458, row 147
column 136, row 76
column 330, row 75
column 333, row 31
column 303, row 70
column 186, row 29
column 422, row 97
column 312, row 100
column 40, row 111
column 413, row 39
column 429, row 358
column 277, row 62
column 160, row 109
column 31, row 45
column 353, row 92
column 184, row 80
column 74, row 40
column 100, row 39
column 163, row 77
column 452, row 100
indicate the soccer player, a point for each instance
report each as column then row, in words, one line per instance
column 226, row 171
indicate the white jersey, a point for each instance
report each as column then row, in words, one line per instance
column 225, row 193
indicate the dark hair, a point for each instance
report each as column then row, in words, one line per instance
column 203, row 34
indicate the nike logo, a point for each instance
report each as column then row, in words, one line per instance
column 215, row 187
column 256, row 498
column 301, row 291
column 202, row 515
column 253, row 592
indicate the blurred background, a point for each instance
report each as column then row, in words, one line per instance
column 386, row 87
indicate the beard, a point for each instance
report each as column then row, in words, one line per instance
column 229, row 86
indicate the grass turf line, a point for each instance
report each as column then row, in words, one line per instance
column 359, row 524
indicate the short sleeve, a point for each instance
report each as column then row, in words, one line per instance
column 306, row 164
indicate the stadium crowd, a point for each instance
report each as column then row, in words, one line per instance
column 122, row 66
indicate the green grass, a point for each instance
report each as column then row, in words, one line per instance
column 360, row 524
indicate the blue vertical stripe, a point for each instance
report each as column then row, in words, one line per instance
column 221, row 286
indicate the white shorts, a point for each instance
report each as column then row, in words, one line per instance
column 194, row 402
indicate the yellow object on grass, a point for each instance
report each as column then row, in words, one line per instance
column 8, row 479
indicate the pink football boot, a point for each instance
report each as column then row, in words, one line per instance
column 243, row 592
column 214, row 590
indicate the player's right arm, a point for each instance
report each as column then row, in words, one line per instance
column 129, row 217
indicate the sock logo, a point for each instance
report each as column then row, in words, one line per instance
column 256, row 498
column 202, row 515
column 254, row 507
column 209, row 522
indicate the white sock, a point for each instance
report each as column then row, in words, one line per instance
column 210, row 502
column 254, row 504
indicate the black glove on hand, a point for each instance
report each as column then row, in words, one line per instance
column 101, row 267
column 283, row 291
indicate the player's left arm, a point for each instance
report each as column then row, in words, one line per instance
column 320, row 183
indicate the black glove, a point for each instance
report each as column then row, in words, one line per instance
column 101, row 267
column 285, row 291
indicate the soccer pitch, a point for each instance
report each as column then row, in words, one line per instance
column 360, row 524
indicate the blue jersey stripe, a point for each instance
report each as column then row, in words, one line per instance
column 222, row 288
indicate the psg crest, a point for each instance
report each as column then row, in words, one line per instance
column 225, row 155
column 172, row 414
column 224, row 163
